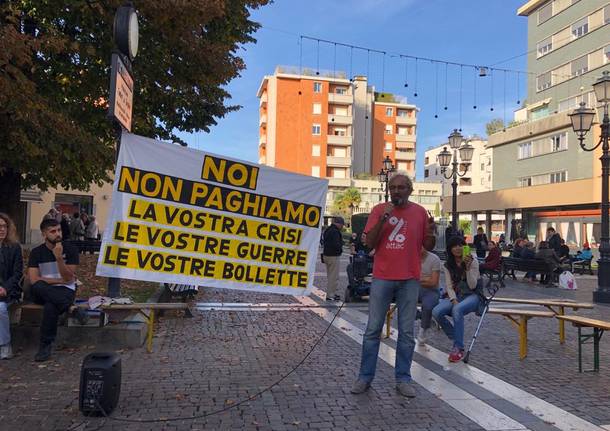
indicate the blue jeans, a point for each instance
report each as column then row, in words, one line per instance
column 445, row 308
column 405, row 293
column 428, row 298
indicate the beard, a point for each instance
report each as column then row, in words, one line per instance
column 55, row 240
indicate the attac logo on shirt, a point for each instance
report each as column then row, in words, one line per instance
column 396, row 239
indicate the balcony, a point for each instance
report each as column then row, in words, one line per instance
column 262, row 141
column 405, row 145
column 343, row 99
column 263, row 121
column 343, row 162
column 405, row 155
column 340, row 119
column 338, row 182
column 263, row 102
column 406, row 121
column 405, row 138
column 339, row 140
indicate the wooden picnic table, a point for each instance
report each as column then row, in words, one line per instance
column 519, row 319
column 557, row 306
column 599, row 326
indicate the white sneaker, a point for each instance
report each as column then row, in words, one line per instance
column 422, row 336
column 6, row 352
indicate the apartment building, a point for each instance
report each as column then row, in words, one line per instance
column 477, row 179
column 539, row 169
column 326, row 125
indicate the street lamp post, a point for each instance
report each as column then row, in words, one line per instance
column 582, row 119
column 384, row 175
column 445, row 158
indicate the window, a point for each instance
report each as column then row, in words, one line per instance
column 315, row 150
column 559, row 142
column 606, row 14
column 580, row 65
column 315, row 171
column 543, row 81
column 388, row 146
column 559, row 177
column 317, row 87
column 340, row 131
column 389, row 112
column 525, row 182
column 426, row 173
column 525, row 150
column 316, row 129
column 607, row 54
column 338, row 173
column 388, row 129
column 545, row 46
column 340, row 90
column 317, row 108
column 574, row 102
column 402, row 113
column 580, row 27
column 482, row 166
column 545, row 12
column 426, row 160
column 402, row 131
column 340, row 110
column 339, row 152
column 482, row 181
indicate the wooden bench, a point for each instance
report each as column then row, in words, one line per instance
column 147, row 310
column 519, row 319
column 512, row 264
column 599, row 326
column 555, row 305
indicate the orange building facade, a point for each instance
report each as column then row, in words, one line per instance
column 332, row 127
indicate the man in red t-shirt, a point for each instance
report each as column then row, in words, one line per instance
column 397, row 230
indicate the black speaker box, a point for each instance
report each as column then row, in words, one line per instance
column 100, row 383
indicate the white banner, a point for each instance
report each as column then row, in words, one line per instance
column 180, row 215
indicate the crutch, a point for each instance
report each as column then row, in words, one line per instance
column 492, row 288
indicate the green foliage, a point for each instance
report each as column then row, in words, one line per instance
column 494, row 126
column 465, row 226
column 365, row 176
column 55, row 76
column 385, row 97
column 346, row 201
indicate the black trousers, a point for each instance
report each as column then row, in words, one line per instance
column 56, row 301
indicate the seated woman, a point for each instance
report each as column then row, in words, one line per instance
column 492, row 260
column 11, row 270
column 585, row 253
column 461, row 277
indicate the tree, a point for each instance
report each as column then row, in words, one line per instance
column 55, row 75
column 494, row 126
column 345, row 202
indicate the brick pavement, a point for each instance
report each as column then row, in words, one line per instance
column 218, row 358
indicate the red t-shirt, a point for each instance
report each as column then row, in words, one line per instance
column 398, row 252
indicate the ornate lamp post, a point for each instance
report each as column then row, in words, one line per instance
column 444, row 159
column 582, row 119
column 384, row 174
